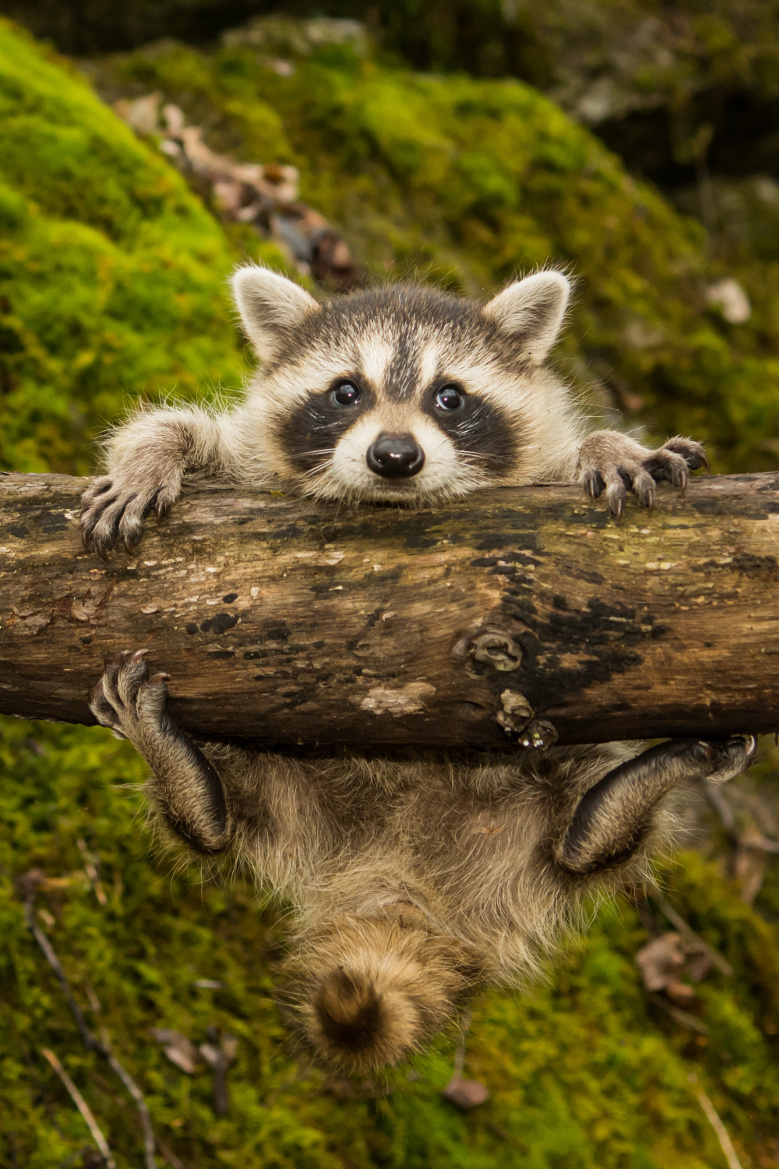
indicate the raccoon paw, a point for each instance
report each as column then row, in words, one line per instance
column 728, row 758
column 614, row 463
column 128, row 701
column 114, row 507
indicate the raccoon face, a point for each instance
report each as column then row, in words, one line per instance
column 401, row 394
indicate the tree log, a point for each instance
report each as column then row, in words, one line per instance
column 296, row 623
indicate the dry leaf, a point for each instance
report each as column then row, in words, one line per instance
column 179, row 1050
column 466, row 1094
column 660, row 960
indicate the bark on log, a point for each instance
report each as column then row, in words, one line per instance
column 299, row 623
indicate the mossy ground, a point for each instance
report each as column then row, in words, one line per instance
column 113, row 284
column 584, row 1073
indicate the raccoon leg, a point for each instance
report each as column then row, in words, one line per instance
column 147, row 458
column 613, row 817
column 614, row 462
column 186, row 786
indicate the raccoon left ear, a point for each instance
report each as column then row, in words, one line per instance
column 532, row 310
column 271, row 307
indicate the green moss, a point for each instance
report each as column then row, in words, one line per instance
column 111, row 272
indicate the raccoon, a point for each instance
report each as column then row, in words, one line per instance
column 415, row 880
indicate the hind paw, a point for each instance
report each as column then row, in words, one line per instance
column 128, row 701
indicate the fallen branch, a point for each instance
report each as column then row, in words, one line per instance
column 298, row 623
column 83, row 1107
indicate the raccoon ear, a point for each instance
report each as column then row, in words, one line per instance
column 271, row 307
column 532, row 310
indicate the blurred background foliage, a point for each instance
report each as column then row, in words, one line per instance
column 459, row 143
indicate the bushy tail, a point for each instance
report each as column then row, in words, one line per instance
column 372, row 992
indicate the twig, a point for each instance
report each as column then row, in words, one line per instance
column 171, row 1157
column 459, row 1055
column 718, row 801
column 91, row 1042
column 679, row 1016
column 82, row 1106
column 91, row 871
column 714, row 1120
column 219, row 1053
column 760, row 843
column 135, row 1092
column 683, row 928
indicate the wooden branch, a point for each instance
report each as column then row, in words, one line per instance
column 299, row 623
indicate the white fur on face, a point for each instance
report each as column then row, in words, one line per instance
column 375, row 354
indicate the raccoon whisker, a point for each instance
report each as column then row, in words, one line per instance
column 329, row 450
column 317, row 470
column 473, row 454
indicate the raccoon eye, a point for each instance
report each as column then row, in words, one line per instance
column 347, row 394
column 450, row 398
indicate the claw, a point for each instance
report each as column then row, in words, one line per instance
column 159, row 678
column 138, row 655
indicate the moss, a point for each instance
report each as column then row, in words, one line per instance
column 467, row 182
column 111, row 272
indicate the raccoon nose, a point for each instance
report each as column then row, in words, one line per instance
column 395, row 456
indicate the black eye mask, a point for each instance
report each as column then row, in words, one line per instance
column 314, row 427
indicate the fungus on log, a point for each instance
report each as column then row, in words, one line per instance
column 297, row 623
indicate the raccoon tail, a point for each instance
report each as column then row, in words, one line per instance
column 383, row 996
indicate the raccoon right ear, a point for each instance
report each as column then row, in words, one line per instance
column 532, row 310
column 271, row 307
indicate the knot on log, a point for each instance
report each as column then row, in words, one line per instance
column 492, row 645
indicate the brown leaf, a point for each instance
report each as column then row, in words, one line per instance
column 680, row 993
column 749, row 864
column 660, row 960
column 466, row 1094
column 179, row 1050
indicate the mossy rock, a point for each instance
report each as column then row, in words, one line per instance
column 112, row 274
column 464, row 183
